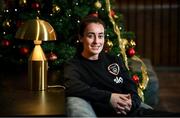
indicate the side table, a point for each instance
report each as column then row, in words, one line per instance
column 16, row 100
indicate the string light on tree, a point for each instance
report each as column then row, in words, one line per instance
column 75, row 2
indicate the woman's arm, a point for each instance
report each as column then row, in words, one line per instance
column 76, row 87
column 130, row 86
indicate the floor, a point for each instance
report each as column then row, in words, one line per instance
column 169, row 85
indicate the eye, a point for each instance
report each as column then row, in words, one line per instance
column 90, row 35
column 101, row 36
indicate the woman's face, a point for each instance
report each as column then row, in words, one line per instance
column 93, row 40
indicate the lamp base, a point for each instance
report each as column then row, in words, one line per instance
column 37, row 74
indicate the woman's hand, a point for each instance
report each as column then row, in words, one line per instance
column 121, row 103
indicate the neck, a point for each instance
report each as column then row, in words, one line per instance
column 90, row 56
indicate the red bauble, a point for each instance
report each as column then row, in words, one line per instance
column 94, row 14
column 18, row 23
column 24, row 50
column 131, row 52
column 5, row 43
column 52, row 56
column 35, row 5
column 112, row 13
column 135, row 78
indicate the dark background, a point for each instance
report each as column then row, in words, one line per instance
column 157, row 29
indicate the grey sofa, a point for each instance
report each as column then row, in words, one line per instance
column 151, row 93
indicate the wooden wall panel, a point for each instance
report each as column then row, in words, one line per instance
column 157, row 29
column 140, row 26
column 174, row 32
column 132, row 14
column 148, row 39
column 178, row 32
column 156, row 32
column 165, row 35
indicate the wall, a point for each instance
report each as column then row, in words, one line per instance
column 157, row 28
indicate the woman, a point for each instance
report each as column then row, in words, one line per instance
column 97, row 81
column 99, row 78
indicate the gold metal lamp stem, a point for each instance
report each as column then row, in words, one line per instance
column 37, row 68
column 38, row 31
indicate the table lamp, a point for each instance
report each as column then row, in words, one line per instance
column 38, row 31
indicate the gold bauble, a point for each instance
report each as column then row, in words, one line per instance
column 132, row 43
column 56, row 8
column 7, row 23
column 98, row 4
column 109, row 43
column 22, row 3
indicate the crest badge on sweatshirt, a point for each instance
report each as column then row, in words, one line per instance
column 114, row 69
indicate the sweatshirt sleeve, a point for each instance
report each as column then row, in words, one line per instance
column 130, row 87
column 76, row 87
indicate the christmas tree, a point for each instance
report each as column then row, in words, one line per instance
column 64, row 16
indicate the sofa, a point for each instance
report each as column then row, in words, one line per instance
column 151, row 93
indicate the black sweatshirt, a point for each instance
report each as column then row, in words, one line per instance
column 95, row 80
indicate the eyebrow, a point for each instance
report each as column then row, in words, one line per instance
column 94, row 33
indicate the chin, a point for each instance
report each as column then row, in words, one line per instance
column 96, row 52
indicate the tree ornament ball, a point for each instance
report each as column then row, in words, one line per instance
column 52, row 56
column 5, row 43
column 135, row 78
column 56, row 8
column 24, row 50
column 35, row 5
column 131, row 52
column 112, row 12
column 132, row 43
column 22, row 3
column 19, row 23
column 7, row 23
column 98, row 4
column 94, row 14
column 109, row 43
column 108, row 46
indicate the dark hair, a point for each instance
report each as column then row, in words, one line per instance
column 86, row 21
column 83, row 24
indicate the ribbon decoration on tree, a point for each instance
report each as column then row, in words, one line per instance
column 122, row 42
column 145, row 80
column 122, row 45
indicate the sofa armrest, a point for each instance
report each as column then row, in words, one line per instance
column 151, row 93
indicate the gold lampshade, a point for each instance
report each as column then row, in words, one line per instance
column 37, row 30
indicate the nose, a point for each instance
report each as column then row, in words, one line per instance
column 96, row 38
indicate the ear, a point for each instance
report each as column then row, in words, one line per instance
column 80, row 39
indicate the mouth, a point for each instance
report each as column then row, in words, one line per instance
column 95, row 47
